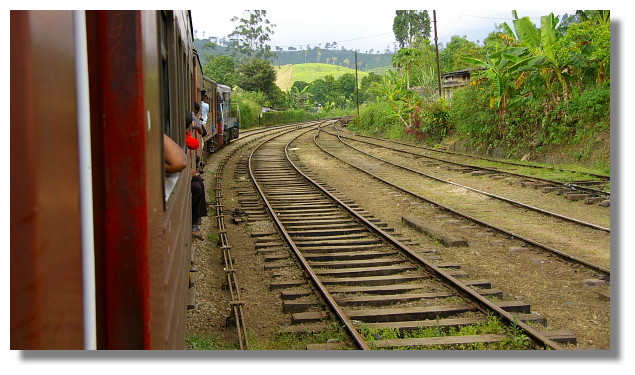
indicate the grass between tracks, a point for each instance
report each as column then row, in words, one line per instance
column 515, row 340
column 207, row 342
column 294, row 341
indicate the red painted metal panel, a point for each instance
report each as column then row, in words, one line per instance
column 121, row 213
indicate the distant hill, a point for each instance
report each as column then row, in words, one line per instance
column 341, row 57
column 290, row 73
column 313, row 63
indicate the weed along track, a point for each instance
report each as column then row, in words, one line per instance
column 386, row 291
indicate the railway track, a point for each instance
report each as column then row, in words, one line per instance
column 574, row 189
column 490, row 195
column 221, row 216
column 369, row 277
column 436, row 194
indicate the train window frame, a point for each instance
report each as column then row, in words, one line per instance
column 169, row 98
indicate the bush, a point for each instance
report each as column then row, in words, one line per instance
column 287, row 117
column 533, row 124
column 592, row 108
column 471, row 117
column 379, row 119
column 432, row 121
column 249, row 111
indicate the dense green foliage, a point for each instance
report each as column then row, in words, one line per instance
column 287, row 117
column 250, row 105
column 221, row 69
column 451, row 57
column 534, row 88
column 256, row 75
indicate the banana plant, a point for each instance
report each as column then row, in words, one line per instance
column 299, row 97
column 540, row 43
column 401, row 100
column 504, row 70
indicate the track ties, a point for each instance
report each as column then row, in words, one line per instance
column 361, row 273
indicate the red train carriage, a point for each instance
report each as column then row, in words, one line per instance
column 88, row 179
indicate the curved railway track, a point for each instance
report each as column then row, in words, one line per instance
column 582, row 186
column 377, row 169
column 490, row 195
column 355, row 263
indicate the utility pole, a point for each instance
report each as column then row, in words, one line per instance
column 436, row 45
column 356, row 85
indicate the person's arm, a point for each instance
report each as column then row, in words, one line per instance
column 175, row 159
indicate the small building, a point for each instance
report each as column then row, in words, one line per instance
column 453, row 80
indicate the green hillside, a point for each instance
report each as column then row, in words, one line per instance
column 288, row 74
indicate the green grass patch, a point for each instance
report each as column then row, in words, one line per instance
column 206, row 342
column 293, row 341
column 516, row 340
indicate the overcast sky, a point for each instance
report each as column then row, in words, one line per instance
column 361, row 27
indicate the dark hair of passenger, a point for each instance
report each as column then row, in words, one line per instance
column 188, row 119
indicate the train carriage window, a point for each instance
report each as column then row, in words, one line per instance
column 165, row 75
column 169, row 71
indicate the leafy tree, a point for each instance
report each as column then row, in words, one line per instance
column 347, row 85
column 250, row 36
column 451, row 56
column 221, row 69
column 208, row 47
column 319, row 91
column 299, row 85
column 299, row 95
column 416, row 63
column 403, row 103
column 365, row 92
column 410, row 25
column 586, row 46
column 541, row 43
column 324, row 91
column 257, row 75
column 406, row 59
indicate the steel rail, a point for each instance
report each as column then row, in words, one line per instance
column 600, row 176
column 565, row 184
column 236, row 302
column 561, row 254
column 483, row 304
column 361, row 343
column 507, row 200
